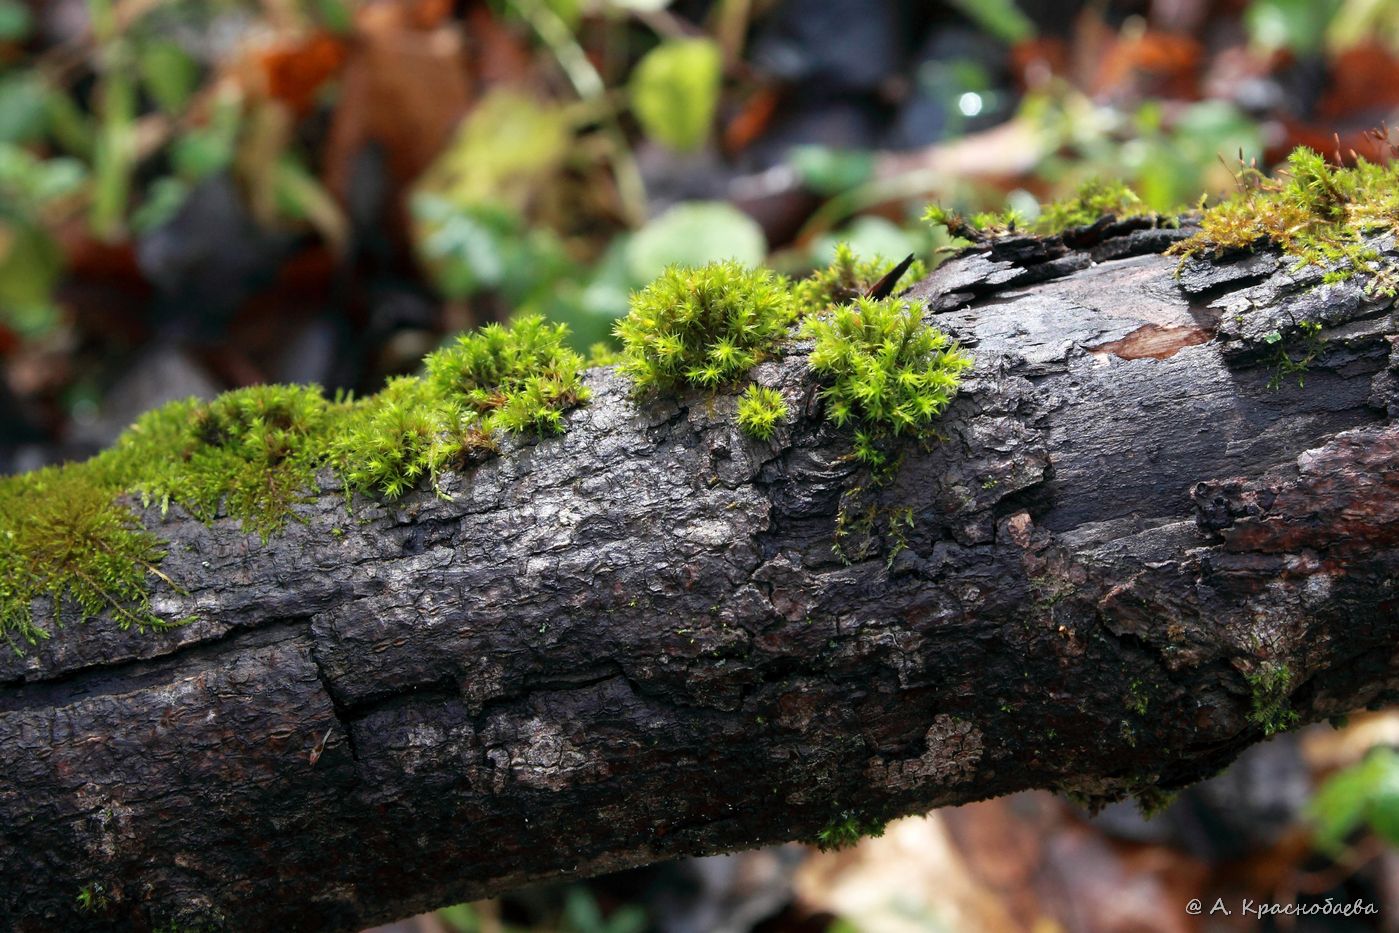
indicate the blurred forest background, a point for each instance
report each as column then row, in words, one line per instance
column 202, row 194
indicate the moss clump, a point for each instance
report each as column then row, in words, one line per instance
column 760, row 411
column 888, row 373
column 1094, row 200
column 64, row 537
column 1317, row 213
column 848, row 278
column 846, row 829
column 521, row 378
column 1271, row 688
column 703, row 326
column 252, row 454
column 387, row 443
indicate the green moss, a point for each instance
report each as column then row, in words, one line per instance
column 1094, row 200
column 92, row 898
column 521, row 378
column 703, row 326
column 1316, row 213
column 63, row 537
column 387, row 443
column 1138, row 700
column 887, row 373
column 760, row 411
column 848, row 278
column 846, row 829
column 1271, row 689
column 1153, row 801
column 1285, row 365
column 252, row 455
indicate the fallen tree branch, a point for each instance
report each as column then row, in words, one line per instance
column 1126, row 560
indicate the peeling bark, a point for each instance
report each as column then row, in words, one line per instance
column 637, row 641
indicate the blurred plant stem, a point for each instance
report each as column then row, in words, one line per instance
column 114, row 152
column 732, row 27
column 589, row 85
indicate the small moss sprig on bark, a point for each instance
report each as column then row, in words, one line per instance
column 1095, row 199
column 703, row 326
column 889, row 374
column 760, row 411
column 846, row 829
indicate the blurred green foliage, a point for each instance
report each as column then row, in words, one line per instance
column 1366, row 794
column 675, row 91
column 693, row 234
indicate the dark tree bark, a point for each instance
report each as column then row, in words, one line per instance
column 1126, row 559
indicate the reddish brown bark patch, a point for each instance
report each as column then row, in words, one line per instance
column 1153, row 342
column 1345, row 500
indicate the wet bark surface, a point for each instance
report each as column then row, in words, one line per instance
column 1123, row 560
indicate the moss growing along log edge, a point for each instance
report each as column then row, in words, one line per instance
column 252, row 454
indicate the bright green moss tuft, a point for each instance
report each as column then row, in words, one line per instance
column 518, row 378
column 703, row 326
column 387, row 443
column 848, row 278
column 888, row 373
column 760, row 411
column 1317, row 213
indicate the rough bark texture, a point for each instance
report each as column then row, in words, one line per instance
column 636, row 641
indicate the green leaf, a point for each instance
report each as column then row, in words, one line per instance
column 114, row 157
column 675, row 90
column 638, row 6
column 208, row 149
column 168, row 73
column 334, row 15
column 581, row 912
column 1364, row 793
column 461, row 918
column 570, row 11
column 22, row 107
column 1296, row 25
column 693, row 234
column 30, row 263
column 70, row 125
column 504, row 151
column 1001, row 18
column 163, row 199
column 15, row 21
column 831, row 171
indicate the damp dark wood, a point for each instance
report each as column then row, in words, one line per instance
column 654, row 637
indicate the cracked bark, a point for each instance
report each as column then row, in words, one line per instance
column 636, row 641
